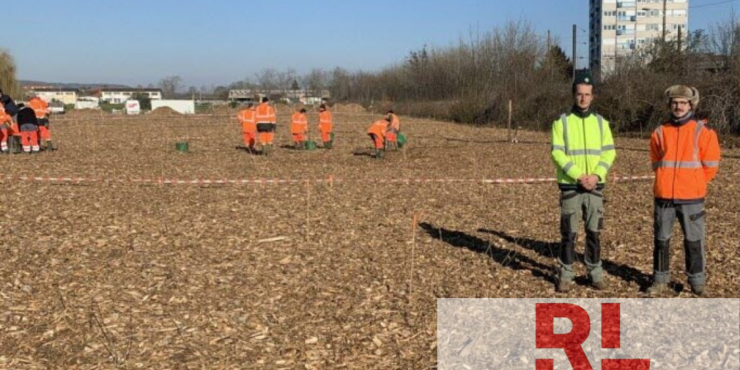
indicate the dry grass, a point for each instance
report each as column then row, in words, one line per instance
column 127, row 276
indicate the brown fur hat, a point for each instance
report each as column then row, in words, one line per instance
column 683, row 91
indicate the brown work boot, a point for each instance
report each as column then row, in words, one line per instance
column 657, row 289
column 600, row 284
column 699, row 290
column 564, row 286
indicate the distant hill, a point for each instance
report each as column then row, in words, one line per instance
column 65, row 85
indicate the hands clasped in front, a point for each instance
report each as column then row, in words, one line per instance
column 588, row 182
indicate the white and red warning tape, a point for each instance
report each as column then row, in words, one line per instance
column 330, row 180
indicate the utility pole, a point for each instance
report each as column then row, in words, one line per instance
column 616, row 39
column 680, row 59
column 547, row 54
column 574, row 52
column 679, row 40
column 665, row 10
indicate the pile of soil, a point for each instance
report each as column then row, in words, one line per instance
column 165, row 111
column 349, row 108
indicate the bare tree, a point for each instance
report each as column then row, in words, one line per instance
column 267, row 79
column 170, row 85
column 8, row 82
column 316, row 81
column 285, row 80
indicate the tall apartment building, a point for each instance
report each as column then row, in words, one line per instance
column 622, row 28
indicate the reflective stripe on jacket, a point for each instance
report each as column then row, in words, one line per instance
column 326, row 121
column 248, row 119
column 582, row 144
column 685, row 155
column 266, row 114
column 298, row 123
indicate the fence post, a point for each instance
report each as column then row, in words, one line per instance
column 509, row 124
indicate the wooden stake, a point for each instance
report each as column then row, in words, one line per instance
column 414, row 226
column 509, row 124
column 308, row 209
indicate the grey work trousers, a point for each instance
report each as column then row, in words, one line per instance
column 588, row 206
column 692, row 219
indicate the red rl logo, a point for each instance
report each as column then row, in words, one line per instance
column 571, row 342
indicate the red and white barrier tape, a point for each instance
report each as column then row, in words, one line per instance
column 329, row 181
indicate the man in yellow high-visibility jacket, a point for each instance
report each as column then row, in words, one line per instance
column 583, row 153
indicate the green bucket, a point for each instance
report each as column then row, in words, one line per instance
column 310, row 145
column 401, row 140
column 182, row 146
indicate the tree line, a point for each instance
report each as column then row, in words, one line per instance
column 472, row 81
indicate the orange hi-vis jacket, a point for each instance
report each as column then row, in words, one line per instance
column 266, row 114
column 326, row 122
column 395, row 123
column 248, row 119
column 39, row 107
column 4, row 116
column 298, row 123
column 685, row 155
column 378, row 128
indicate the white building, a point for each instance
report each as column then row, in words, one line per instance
column 118, row 96
column 621, row 28
column 179, row 106
column 87, row 102
column 66, row 96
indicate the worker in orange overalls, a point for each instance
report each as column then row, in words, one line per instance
column 13, row 137
column 685, row 154
column 248, row 120
column 326, row 126
column 391, row 136
column 5, row 121
column 42, row 112
column 28, row 126
column 266, row 125
column 377, row 131
column 299, row 128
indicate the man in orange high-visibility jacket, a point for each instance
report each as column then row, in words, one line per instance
column 5, row 121
column 248, row 120
column 266, row 124
column 685, row 155
column 391, row 136
column 13, row 132
column 41, row 108
column 299, row 128
column 326, row 126
column 377, row 131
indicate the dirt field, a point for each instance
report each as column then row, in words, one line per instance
column 123, row 274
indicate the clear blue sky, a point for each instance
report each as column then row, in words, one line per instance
column 219, row 41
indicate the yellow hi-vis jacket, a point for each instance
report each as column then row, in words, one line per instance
column 582, row 144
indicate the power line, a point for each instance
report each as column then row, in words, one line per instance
column 712, row 4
